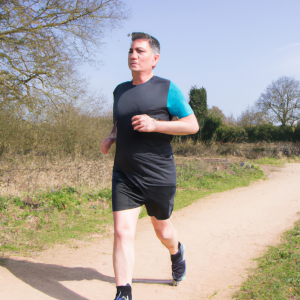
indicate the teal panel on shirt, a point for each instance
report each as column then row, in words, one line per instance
column 176, row 103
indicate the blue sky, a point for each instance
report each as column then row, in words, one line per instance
column 232, row 48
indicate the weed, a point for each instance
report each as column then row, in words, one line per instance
column 214, row 294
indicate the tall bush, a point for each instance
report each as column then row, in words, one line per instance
column 212, row 123
column 198, row 102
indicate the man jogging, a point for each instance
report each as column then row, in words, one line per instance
column 144, row 171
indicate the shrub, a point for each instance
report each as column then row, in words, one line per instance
column 229, row 133
column 212, row 123
column 198, row 102
column 270, row 133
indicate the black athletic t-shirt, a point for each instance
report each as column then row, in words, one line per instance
column 146, row 158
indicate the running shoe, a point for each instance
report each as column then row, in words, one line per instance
column 119, row 297
column 178, row 265
column 124, row 293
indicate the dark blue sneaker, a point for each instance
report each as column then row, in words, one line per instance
column 178, row 265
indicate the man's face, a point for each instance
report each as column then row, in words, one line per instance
column 140, row 56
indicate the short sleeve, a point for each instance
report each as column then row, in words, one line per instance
column 177, row 104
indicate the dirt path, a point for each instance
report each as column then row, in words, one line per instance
column 222, row 233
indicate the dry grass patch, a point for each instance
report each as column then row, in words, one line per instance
column 28, row 174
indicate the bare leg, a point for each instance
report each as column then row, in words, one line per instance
column 166, row 233
column 123, row 256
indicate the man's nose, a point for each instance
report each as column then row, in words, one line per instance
column 133, row 55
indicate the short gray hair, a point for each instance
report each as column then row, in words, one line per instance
column 153, row 42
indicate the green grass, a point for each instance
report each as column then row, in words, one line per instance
column 276, row 161
column 218, row 181
column 271, row 161
column 54, row 217
column 277, row 276
column 57, row 216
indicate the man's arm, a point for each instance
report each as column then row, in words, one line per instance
column 183, row 126
column 107, row 143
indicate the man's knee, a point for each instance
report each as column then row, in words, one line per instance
column 124, row 234
column 164, row 232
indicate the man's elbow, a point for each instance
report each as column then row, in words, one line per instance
column 194, row 129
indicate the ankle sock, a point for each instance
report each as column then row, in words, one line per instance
column 124, row 290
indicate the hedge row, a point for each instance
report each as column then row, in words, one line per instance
column 252, row 134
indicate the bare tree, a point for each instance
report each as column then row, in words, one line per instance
column 217, row 112
column 230, row 120
column 42, row 42
column 251, row 116
column 281, row 101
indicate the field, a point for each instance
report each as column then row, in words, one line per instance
column 66, row 200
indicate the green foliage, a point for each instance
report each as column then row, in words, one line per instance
column 214, row 129
column 3, row 203
column 233, row 134
column 277, row 275
column 198, row 102
column 212, row 123
column 271, row 133
column 195, row 183
column 271, row 161
column 30, row 222
column 58, row 199
column 104, row 194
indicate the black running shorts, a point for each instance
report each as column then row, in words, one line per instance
column 158, row 200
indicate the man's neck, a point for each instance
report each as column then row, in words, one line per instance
column 140, row 78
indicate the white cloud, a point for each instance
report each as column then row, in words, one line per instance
column 289, row 65
column 289, row 46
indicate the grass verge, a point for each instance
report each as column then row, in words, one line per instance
column 276, row 161
column 271, row 161
column 194, row 185
column 277, row 275
column 35, row 221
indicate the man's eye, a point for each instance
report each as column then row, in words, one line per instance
column 130, row 51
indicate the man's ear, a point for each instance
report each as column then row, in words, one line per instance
column 155, row 60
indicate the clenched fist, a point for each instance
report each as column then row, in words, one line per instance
column 143, row 123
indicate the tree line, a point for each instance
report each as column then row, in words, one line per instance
column 274, row 116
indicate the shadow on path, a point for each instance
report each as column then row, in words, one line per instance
column 46, row 277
